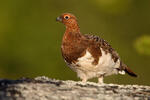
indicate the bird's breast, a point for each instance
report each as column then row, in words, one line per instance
column 71, row 51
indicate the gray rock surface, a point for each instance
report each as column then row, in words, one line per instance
column 43, row 88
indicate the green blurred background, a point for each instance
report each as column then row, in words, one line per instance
column 30, row 38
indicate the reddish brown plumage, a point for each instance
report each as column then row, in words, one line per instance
column 75, row 44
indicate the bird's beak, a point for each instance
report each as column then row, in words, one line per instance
column 59, row 19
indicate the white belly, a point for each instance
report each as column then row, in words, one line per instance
column 106, row 66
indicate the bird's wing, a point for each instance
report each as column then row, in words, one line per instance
column 104, row 45
column 108, row 49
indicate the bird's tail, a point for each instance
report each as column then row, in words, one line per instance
column 128, row 70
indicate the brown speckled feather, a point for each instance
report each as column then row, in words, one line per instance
column 88, row 55
column 108, row 49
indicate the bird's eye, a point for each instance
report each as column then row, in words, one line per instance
column 66, row 17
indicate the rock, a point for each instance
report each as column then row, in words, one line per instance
column 43, row 88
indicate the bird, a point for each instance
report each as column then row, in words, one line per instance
column 90, row 56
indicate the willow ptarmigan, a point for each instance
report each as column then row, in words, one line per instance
column 89, row 55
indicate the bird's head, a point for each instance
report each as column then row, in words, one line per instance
column 69, row 20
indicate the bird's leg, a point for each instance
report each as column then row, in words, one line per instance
column 84, row 80
column 100, row 80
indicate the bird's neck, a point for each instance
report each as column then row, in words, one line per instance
column 74, row 28
column 72, row 32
